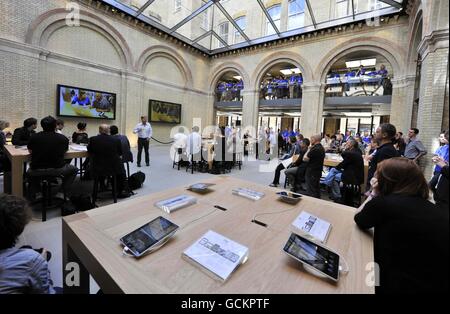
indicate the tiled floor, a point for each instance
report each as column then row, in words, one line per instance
column 159, row 176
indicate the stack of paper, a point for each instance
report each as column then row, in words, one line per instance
column 175, row 203
column 251, row 194
column 312, row 225
column 78, row 148
column 216, row 255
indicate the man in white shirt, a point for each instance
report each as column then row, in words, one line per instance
column 144, row 132
column 194, row 142
column 180, row 139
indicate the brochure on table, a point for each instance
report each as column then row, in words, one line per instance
column 312, row 225
column 216, row 255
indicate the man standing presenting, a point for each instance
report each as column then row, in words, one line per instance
column 144, row 133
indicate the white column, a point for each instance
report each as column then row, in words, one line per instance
column 434, row 50
column 312, row 109
column 402, row 103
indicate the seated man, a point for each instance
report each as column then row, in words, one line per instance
column 22, row 270
column 295, row 150
column 127, row 155
column 296, row 171
column 194, row 144
column 350, row 170
column 47, row 149
column 105, row 152
column 315, row 157
column 179, row 145
column 22, row 135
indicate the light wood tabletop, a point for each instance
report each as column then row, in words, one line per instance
column 20, row 156
column 91, row 239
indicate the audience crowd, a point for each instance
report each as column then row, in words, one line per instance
column 405, row 211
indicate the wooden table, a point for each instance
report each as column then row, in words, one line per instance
column 20, row 156
column 91, row 239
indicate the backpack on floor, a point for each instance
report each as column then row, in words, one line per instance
column 136, row 180
column 82, row 202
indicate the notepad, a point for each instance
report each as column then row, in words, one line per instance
column 317, row 228
column 216, row 255
column 175, row 203
column 247, row 193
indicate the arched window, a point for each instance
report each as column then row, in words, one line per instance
column 242, row 23
column 275, row 14
column 296, row 14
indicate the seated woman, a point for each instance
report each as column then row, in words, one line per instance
column 80, row 136
column 295, row 150
column 411, row 234
column 22, row 270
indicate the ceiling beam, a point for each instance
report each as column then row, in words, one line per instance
column 353, row 9
column 219, row 38
column 145, row 6
column 313, row 19
column 202, row 36
column 392, row 3
column 269, row 17
column 232, row 21
column 193, row 15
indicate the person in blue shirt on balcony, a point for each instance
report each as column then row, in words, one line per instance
column 383, row 72
column 221, row 90
column 240, row 87
column 283, row 85
column 361, row 71
column 229, row 91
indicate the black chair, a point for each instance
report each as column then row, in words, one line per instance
column 47, row 201
column 238, row 160
column 177, row 158
column 112, row 178
column 80, row 167
column 351, row 194
column 194, row 161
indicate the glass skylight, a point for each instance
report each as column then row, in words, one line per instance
column 215, row 26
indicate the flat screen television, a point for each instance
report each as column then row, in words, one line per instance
column 85, row 103
column 164, row 112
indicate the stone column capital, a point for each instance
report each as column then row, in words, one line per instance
column 313, row 87
column 430, row 43
column 404, row 81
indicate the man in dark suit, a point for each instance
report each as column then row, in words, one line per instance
column 22, row 135
column 314, row 157
column 105, row 152
column 349, row 171
column 47, row 150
